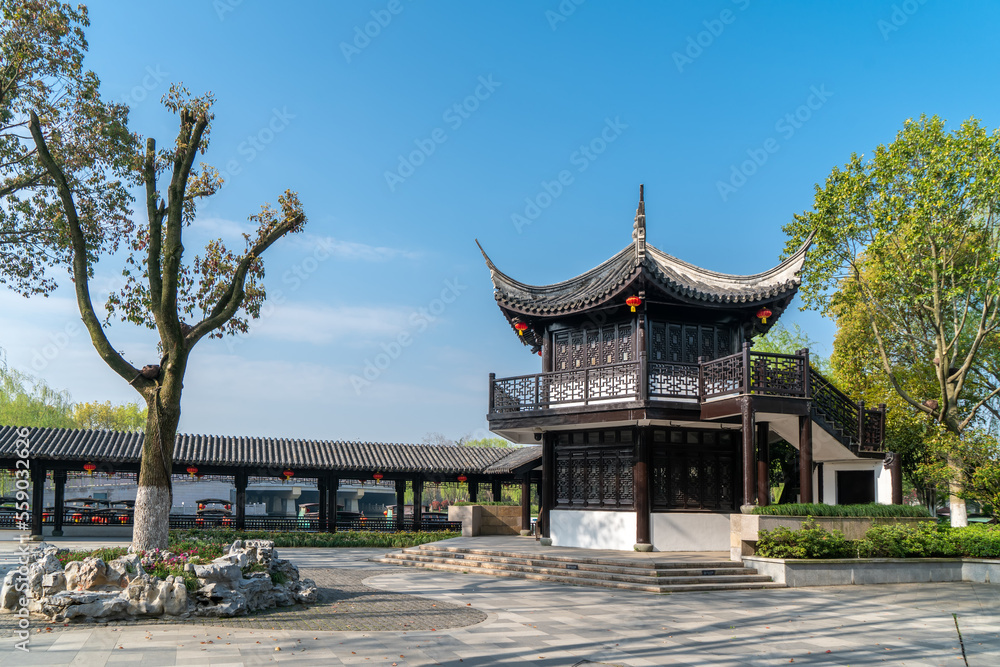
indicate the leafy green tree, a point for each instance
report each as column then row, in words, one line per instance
column 908, row 240
column 42, row 46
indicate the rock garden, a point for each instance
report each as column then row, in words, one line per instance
column 247, row 576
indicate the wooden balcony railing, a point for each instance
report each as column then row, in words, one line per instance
column 746, row 372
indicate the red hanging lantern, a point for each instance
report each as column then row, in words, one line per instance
column 90, row 468
column 228, row 506
column 763, row 314
column 201, row 506
column 377, row 476
column 462, row 478
column 191, row 470
column 521, row 328
column 633, row 301
column 287, row 474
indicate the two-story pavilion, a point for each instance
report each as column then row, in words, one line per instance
column 654, row 412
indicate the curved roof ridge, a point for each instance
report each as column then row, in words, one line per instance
column 788, row 268
column 625, row 253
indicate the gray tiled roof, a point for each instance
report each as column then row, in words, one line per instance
column 672, row 275
column 116, row 447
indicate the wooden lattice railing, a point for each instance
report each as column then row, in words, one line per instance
column 746, row 372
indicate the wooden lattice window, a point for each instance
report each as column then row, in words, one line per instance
column 694, row 470
column 594, row 475
column 684, row 343
column 593, row 346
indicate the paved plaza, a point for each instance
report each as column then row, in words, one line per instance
column 370, row 614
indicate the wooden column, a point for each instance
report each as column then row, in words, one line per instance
column 497, row 491
column 640, row 476
column 548, row 479
column 525, row 502
column 332, row 488
column 324, row 503
column 418, row 501
column 749, row 460
column 59, row 479
column 473, row 491
column 37, row 496
column 805, row 459
column 240, row 482
column 399, row 513
column 763, row 465
column 547, row 352
column 896, row 472
column 643, row 378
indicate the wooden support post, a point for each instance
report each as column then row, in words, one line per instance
column 640, row 475
column 547, row 352
column 805, row 459
column 332, row 486
column 747, row 380
column 548, row 478
column 473, row 491
column 749, row 463
column 37, row 497
column 896, row 474
column 240, row 482
column 643, row 380
column 763, row 465
column 399, row 513
column 493, row 378
column 497, row 491
column 418, row 501
column 59, row 479
column 525, row 502
column 324, row 503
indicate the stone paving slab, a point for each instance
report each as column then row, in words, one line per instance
column 547, row 624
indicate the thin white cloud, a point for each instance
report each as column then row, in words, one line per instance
column 320, row 325
column 352, row 250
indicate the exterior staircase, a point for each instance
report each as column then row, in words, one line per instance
column 651, row 576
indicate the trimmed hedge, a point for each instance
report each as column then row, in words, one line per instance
column 924, row 540
column 492, row 503
column 820, row 509
column 347, row 538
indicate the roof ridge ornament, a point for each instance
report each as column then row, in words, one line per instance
column 639, row 229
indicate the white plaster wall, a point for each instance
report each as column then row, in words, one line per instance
column 593, row 529
column 679, row 531
column 883, row 479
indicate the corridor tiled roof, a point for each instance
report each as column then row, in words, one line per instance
column 117, row 447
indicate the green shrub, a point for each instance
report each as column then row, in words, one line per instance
column 810, row 541
column 491, row 503
column 923, row 540
column 279, row 578
column 354, row 538
column 977, row 541
column 821, row 509
column 107, row 554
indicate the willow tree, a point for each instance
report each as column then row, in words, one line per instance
column 184, row 301
column 908, row 242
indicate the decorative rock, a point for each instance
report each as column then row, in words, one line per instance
column 175, row 598
column 290, row 572
column 122, row 570
column 52, row 583
column 91, row 574
column 9, row 595
column 224, row 573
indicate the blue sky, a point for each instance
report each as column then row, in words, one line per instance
column 410, row 128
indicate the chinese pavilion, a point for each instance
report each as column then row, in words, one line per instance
column 654, row 412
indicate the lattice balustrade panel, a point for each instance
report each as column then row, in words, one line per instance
column 515, row 394
column 618, row 381
column 723, row 376
column 777, row 374
column 873, row 430
column 557, row 388
column 668, row 380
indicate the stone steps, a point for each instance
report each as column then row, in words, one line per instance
column 646, row 576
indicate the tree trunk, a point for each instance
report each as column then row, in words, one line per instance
column 154, row 499
column 958, row 514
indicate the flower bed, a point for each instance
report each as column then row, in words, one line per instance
column 869, row 510
column 352, row 538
